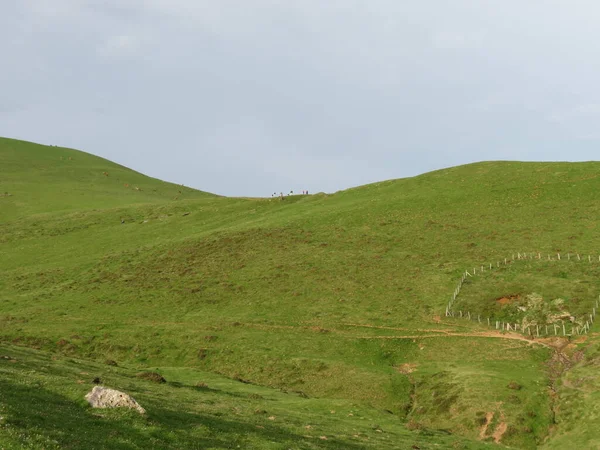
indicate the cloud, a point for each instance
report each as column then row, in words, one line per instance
column 458, row 40
column 120, row 45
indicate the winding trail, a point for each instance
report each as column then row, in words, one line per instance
column 450, row 333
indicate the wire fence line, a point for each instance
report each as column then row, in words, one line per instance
column 530, row 330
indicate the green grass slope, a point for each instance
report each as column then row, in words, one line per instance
column 332, row 297
column 42, row 406
column 41, row 179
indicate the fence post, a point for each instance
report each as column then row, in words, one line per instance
column 488, row 321
column 558, row 256
column 564, row 329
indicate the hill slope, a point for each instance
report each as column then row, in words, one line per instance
column 336, row 297
column 39, row 179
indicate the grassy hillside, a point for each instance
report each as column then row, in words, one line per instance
column 333, row 297
column 194, row 409
column 43, row 179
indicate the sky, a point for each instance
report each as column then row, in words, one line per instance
column 251, row 97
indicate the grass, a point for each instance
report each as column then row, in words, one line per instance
column 330, row 296
column 194, row 409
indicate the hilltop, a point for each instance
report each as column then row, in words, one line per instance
column 335, row 297
column 43, row 179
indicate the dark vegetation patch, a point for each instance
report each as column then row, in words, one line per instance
column 151, row 376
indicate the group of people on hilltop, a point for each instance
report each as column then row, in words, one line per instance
column 281, row 196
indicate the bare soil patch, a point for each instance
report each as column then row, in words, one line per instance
column 508, row 299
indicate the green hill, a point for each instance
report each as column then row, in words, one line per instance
column 42, row 179
column 336, row 298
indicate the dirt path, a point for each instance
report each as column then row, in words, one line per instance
column 433, row 333
column 483, row 334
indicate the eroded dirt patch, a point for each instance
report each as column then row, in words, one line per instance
column 407, row 368
column 488, row 419
column 500, row 429
column 508, row 299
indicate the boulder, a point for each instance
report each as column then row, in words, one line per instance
column 101, row 397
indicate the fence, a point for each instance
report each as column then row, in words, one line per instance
column 539, row 330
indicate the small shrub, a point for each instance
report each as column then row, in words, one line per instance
column 480, row 421
column 151, row 376
column 514, row 385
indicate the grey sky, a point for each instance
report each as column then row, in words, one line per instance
column 249, row 97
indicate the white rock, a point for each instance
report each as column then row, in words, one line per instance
column 101, row 397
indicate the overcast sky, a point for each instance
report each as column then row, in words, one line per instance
column 249, row 97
